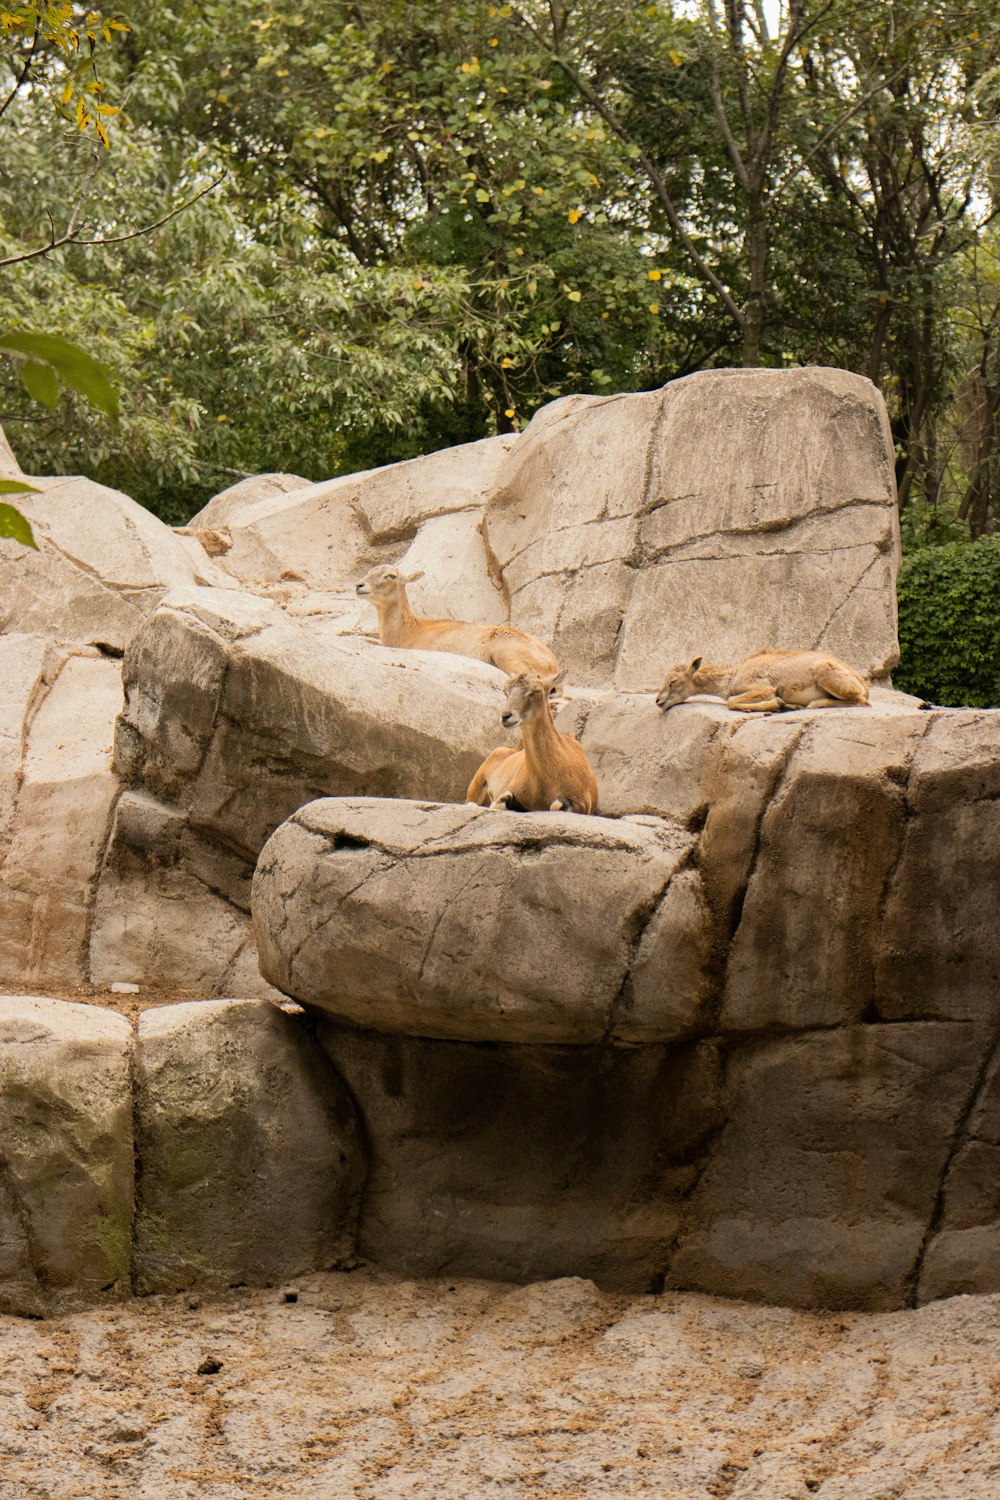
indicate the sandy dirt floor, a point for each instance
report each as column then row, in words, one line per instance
column 365, row 1385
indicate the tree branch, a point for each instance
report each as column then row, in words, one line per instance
column 72, row 237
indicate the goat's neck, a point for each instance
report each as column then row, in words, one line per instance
column 540, row 738
column 714, row 677
column 396, row 620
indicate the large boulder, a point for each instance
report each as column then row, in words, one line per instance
column 102, row 564
column 729, row 511
column 449, row 921
column 67, row 1155
column 252, row 1164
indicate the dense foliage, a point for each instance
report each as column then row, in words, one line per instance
column 949, row 623
column 408, row 225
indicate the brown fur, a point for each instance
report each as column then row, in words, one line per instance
column 768, row 681
column 502, row 646
column 550, row 773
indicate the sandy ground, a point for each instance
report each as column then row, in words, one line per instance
column 366, row 1385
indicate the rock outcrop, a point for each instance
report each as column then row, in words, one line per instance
column 801, row 909
column 739, row 1034
column 729, row 510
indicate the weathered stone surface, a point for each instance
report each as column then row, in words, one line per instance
column 807, row 943
column 526, row 1162
column 822, row 1186
column 939, row 951
column 730, row 510
column 252, row 1166
column 59, row 803
column 328, row 535
column 171, row 908
column 452, row 921
column 65, row 1155
column 102, row 564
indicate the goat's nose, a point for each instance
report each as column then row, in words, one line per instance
column 508, row 720
column 359, row 588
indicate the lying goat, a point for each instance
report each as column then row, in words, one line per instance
column 551, row 773
column 767, row 681
column 511, row 650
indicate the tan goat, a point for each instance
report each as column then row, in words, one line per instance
column 511, row 650
column 767, row 681
column 551, row 773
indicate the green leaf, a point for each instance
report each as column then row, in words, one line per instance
column 74, row 367
column 13, row 524
column 40, row 381
column 16, row 487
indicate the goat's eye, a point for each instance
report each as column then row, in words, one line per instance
column 391, row 577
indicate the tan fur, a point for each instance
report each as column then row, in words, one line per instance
column 511, row 650
column 768, row 681
column 551, row 773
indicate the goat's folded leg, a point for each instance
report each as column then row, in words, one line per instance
column 756, row 700
column 501, row 803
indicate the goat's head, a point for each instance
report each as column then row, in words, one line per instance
column 385, row 583
column 680, row 684
column 528, row 696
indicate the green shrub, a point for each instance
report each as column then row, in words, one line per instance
column 949, row 624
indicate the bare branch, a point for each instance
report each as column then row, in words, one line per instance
column 72, row 237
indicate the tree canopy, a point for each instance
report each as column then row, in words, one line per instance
column 409, row 225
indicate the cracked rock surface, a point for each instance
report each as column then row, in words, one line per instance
column 452, row 921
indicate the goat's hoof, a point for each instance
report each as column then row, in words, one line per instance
column 558, row 805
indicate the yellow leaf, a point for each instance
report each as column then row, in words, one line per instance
column 506, row 364
column 654, row 307
column 418, row 285
column 574, row 296
column 494, row 41
column 654, row 275
column 510, row 412
column 81, row 115
column 675, row 58
column 223, row 418
column 574, row 215
column 67, row 93
column 470, row 67
column 102, row 135
column 593, row 179
column 539, row 192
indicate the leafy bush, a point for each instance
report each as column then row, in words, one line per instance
column 949, row 624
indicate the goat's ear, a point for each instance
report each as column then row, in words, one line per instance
column 559, row 677
column 696, row 664
column 412, row 577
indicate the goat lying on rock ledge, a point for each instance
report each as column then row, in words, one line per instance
column 501, row 645
column 550, row 774
column 768, row 681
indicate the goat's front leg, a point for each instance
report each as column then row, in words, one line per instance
column 501, row 803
